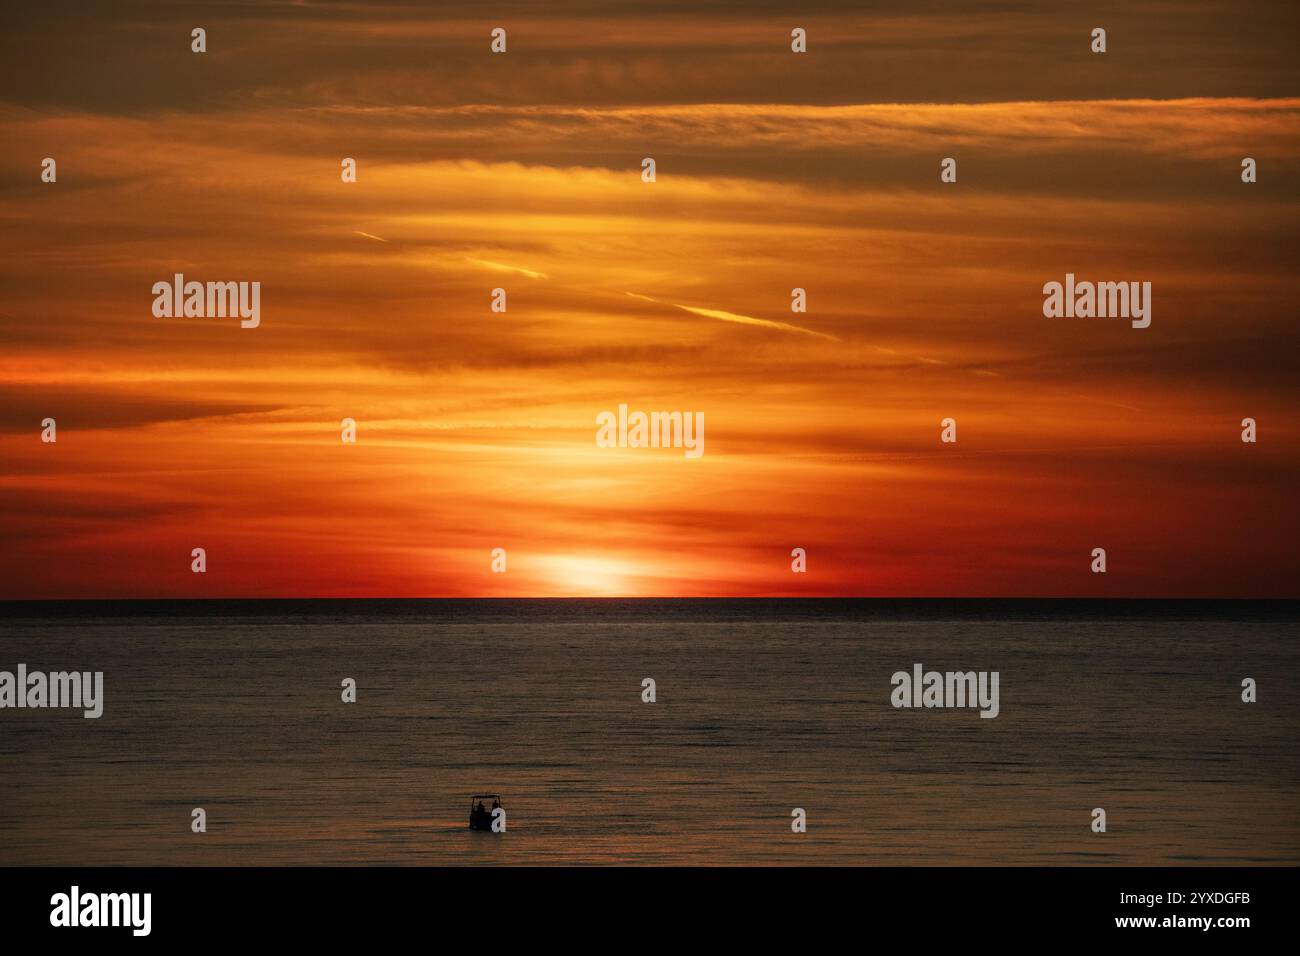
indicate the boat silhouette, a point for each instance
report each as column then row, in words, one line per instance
column 480, row 813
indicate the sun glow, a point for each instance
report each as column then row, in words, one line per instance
column 586, row 576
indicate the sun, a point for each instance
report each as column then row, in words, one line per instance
column 576, row 576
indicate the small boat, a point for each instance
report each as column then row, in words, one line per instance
column 480, row 811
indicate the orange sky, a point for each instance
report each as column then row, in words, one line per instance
column 476, row 430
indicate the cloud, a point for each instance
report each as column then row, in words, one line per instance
column 500, row 267
column 103, row 408
column 134, row 58
column 724, row 316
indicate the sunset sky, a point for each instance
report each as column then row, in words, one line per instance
column 775, row 170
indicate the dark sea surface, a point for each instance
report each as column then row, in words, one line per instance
column 763, row 706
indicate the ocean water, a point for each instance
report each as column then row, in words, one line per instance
column 762, row 707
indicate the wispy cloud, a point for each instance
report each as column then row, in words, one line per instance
column 502, row 267
column 724, row 316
